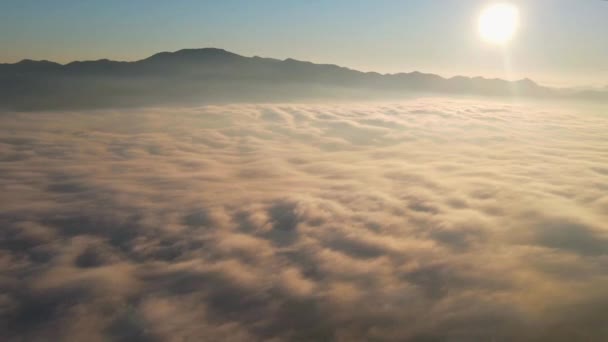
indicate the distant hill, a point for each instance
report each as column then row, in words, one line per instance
column 217, row 76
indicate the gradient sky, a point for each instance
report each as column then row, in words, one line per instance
column 560, row 42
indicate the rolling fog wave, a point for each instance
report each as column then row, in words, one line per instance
column 427, row 220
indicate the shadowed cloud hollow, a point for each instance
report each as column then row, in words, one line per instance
column 427, row 220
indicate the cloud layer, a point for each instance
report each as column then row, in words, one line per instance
column 428, row 220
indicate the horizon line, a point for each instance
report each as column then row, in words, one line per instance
column 278, row 59
column 135, row 60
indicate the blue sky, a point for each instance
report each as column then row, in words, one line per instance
column 560, row 42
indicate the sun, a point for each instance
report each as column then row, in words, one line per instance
column 498, row 23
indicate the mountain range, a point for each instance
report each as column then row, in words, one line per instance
column 209, row 75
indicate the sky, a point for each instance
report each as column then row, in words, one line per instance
column 559, row 42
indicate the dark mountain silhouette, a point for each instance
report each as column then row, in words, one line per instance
column 217, row 76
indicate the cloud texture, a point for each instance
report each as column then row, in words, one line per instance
column 428, row 220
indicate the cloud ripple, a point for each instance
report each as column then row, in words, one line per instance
column 428, row 220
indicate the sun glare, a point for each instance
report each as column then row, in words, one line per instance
column 498, row 23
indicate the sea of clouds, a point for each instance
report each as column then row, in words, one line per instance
column 426, row 220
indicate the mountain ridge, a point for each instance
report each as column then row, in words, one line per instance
column 223, row 52
column 212, row 75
